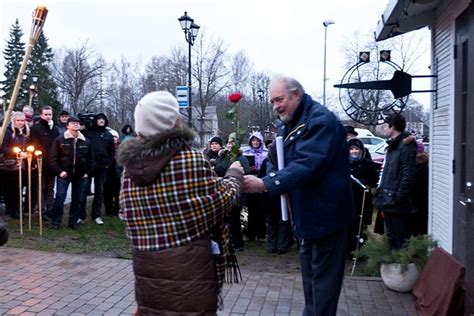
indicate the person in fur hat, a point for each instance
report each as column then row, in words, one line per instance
column 176, row 211
column 394, row 193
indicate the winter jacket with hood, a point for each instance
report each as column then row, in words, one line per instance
column 102, row 143
column 259, row 153
column 173, row 204
column 364, row 170
column 395, row 189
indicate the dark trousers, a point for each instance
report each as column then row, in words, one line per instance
column 111, row 192
column 256, row 216
column 322, row 267
column 48, row 190
column 397, row 228
column 236, row 227
column 278, row 231
column 99, row 181
column 62, row 184
column 12, row 193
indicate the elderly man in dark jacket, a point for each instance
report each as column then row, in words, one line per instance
column 317, row 180
column 72, row 161
column 395, row 189
column 103, row 148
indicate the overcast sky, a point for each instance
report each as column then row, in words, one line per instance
column 278, row 36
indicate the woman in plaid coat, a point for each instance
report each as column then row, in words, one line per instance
column 176, row 212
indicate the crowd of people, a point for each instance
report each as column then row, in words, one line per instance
column 179, row 203
column 73, row 152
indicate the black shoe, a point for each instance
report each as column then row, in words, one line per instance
column 271, row 250
column 55, row 226
column 281, row 251
column 74, row 226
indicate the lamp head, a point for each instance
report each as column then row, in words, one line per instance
column 185, row 22
column 326, row 23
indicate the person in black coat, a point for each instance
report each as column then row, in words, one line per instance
column 420, row 192
column 72, row 161
column 222, row 165
column 394, row 195
column 103, row 148
column 16, row 135
column 43, row 134
column 366, row 173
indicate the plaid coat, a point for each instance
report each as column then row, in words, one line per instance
column 171, row 197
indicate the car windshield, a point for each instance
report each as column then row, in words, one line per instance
column 371, row 140
column 379, row 148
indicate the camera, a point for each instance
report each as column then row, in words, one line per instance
column 87, row 119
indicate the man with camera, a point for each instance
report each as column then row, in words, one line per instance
column 103, row 149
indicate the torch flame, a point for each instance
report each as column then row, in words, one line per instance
column 16, row 150
column 38, row 152
column 30, row 148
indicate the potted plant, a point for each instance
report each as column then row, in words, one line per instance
column 399, row 268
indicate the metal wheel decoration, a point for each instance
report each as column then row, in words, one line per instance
column 364, row 103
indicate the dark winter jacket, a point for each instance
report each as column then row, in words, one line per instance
column 316, row 174
column 73, row 155
column 395, row 190
column 420, row 194
column 102, row 144
column 9, row 142
column 365, row 171
column 224, row 162
column 42, row 138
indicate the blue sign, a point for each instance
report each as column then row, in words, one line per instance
column 182, row 95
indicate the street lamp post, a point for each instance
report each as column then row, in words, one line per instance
column 260, row 94
column 190, row 30
column 326, row 24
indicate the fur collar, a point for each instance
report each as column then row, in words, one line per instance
column 67, row 135
column 145, row 158
column 136, row 149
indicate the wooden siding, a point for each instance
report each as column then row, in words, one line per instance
column 442, row 124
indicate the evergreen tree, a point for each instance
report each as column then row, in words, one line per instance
column 13, row 55
column 39, row 66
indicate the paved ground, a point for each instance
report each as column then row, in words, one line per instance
column 40, row 283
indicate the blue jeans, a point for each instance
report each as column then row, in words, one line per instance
column 62, row 185
column 322, row 267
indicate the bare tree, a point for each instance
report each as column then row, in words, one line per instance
column 211, row 76
column 123, row 92
column 77, row 73
column 166, row 72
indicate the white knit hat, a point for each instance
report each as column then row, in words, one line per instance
column 156, row 113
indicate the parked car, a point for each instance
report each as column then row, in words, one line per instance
column 377, row 152
column 371, row 141
column 363, row 132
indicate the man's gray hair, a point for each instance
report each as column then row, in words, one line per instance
column 291, row 84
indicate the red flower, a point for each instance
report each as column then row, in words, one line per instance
column 235, row 97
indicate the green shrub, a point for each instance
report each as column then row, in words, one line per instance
column 377, row 251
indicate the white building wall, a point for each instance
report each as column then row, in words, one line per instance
column 442, row 124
